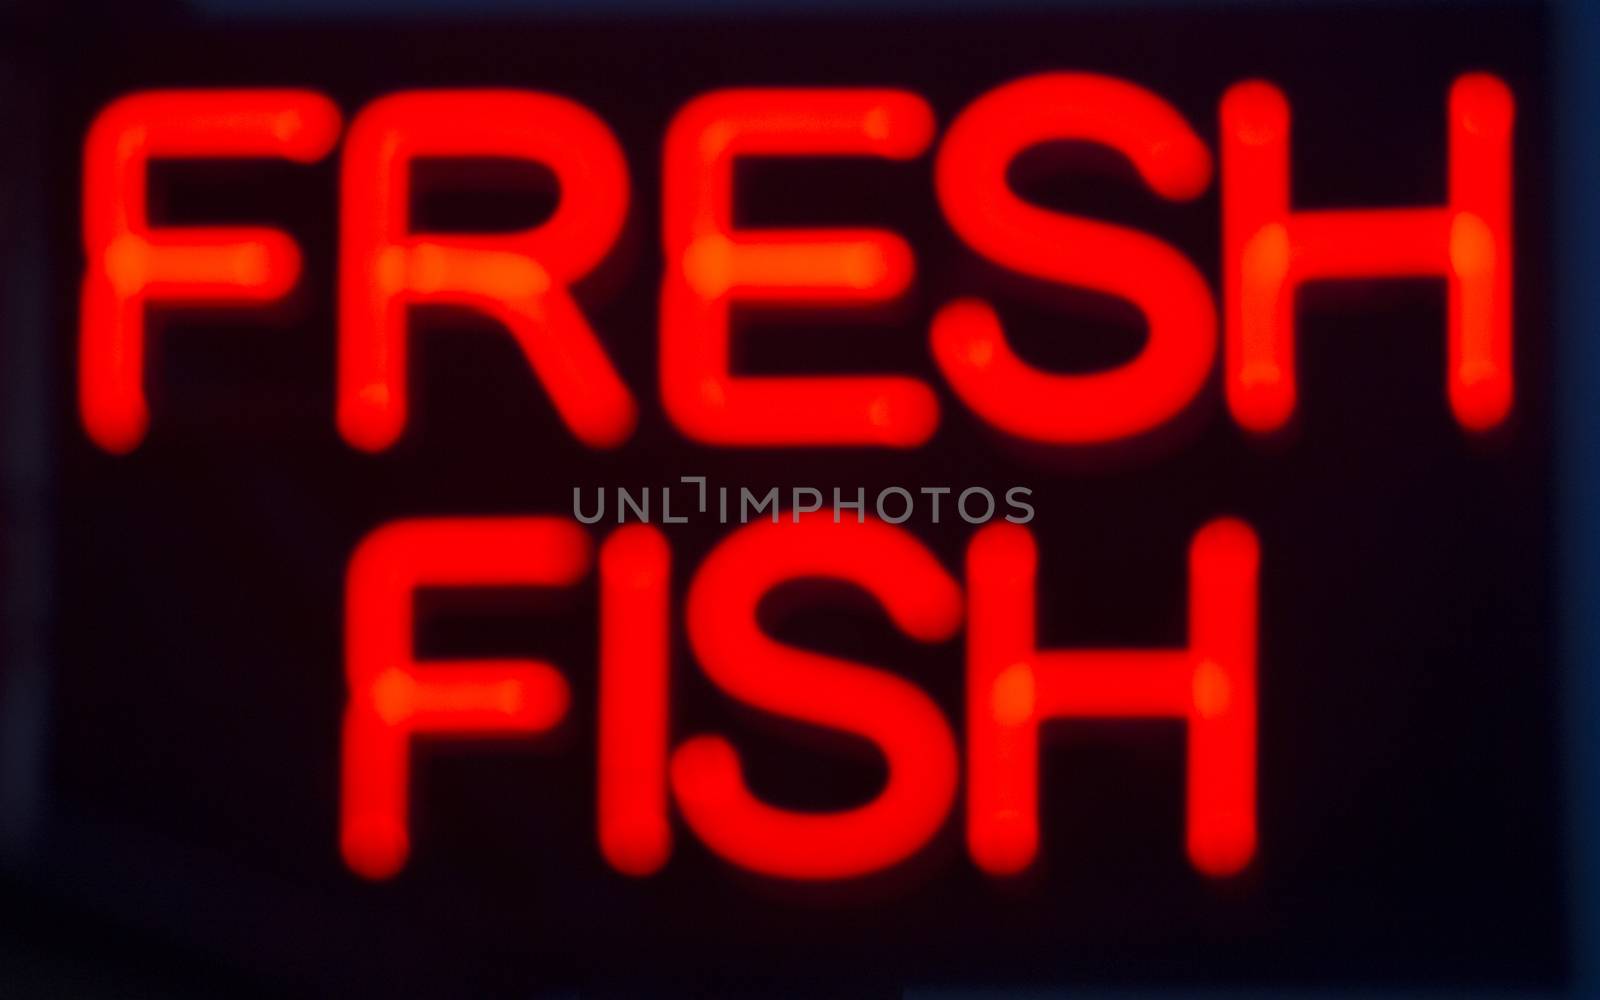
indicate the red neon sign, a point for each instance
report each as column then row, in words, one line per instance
column 393, row 698
column 523, row 280
column 520, row 279
column 904, row 724
column 131, row 264
column 710, row 267
column 635, row 564
column 1269, row 250
column 1012, row 687
column 967, row 338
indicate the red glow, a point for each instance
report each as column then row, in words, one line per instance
column 900, row 720
column 1268, row 251
column 131, row 264
column 1012, row 687
column 635, row 581
column 968, row 342
column 711, row 266
column 393, row 697
column 520, row 279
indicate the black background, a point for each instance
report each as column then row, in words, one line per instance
column 1409, row 807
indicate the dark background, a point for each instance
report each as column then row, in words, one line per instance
column 1410, row 803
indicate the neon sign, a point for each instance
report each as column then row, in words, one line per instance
column 902, row 499
column 522, row 281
